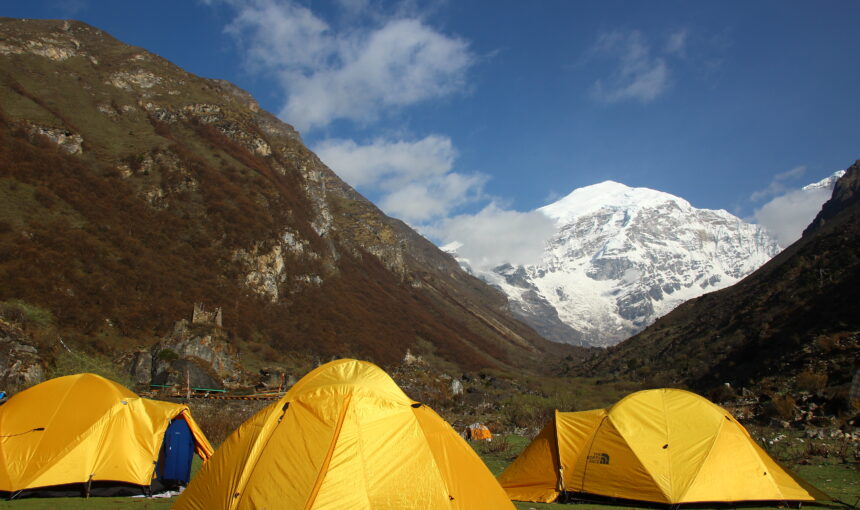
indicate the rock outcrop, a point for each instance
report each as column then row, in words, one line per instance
column 20, row 363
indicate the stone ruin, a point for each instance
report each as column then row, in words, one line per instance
column 201, row 316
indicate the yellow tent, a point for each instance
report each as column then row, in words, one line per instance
column 664, row 446
column 84, row 429
column 478, row 432
column 345, row 436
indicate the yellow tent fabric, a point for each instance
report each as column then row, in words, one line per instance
column 345, row 436
column 83, row 427
column 665, row 446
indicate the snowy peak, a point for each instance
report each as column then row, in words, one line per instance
column 609, row 195
column 622, row 257
column 827, row 183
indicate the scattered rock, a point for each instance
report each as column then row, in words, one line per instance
column 65, row 139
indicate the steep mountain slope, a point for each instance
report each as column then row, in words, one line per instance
column 131, row 189
column 799, row 313
column 623, row 257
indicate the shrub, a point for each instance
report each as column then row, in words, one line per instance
column 26, row 314
column 70, row 363
column 219, row 419
column 722, row 393
column 810, row 381
column 783, row 407
column 167, row 355
column 499, row 444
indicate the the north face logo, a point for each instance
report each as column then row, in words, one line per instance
column 598, row 458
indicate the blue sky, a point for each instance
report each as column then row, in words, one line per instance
column 467, row 114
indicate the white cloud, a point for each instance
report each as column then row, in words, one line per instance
column 677, row 43
column 787, row 215
column 495, row 236
column 386, row 161
column 355, row 73
column 415, row 180
column 433, row 198
column 779, row 184
column 638, row 74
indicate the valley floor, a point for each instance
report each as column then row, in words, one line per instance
column 840, row 480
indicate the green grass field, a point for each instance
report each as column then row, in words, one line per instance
column 840, row 481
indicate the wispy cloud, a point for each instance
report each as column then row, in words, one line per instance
column 415, row 180
column 637, row 74
column 779, row 184
column 356, row 72
column 791, row 207
column 677, row 43
column 495, row 236
column 787, row 215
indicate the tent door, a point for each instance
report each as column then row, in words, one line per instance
column 177, row 451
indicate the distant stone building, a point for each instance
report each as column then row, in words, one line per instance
column 201, row 316
column 854, row 392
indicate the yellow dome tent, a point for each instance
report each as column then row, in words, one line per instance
column 84, row 429
column 478, row 432
column 664, row 446
column 345, row 436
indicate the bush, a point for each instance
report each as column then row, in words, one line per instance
column 499, row 444
column 722, row 393
column 810, row 381
column 529, row 411
column 783, row 407
column 70, row 363
column 219, row 419
column 167, row 355
column 16, row 310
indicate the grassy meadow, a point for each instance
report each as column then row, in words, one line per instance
column 838, row 479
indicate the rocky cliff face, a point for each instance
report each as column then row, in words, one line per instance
column 138, row 189
column 622, row 257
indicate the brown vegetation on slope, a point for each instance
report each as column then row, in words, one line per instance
column 181, row 187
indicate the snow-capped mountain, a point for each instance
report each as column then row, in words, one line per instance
column 622, row 257
column 826, row 184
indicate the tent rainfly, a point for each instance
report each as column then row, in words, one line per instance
column 663, row 446
column 345, row 436
column 84, row 433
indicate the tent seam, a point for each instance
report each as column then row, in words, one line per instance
column 588, row 452
column 105, row 419
column 695, row 477
column 49, row 422
column 327, row 461
column 560, row 471
column 243, row 480
column 638, row 459
column 669, row 448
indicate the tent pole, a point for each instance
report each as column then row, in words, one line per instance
column 89, row 485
